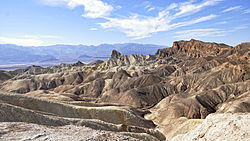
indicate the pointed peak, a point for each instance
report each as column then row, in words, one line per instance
column 193, row 40
column 79, row 63
column 115, row 54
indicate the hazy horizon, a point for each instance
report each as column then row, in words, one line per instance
column 87, row 45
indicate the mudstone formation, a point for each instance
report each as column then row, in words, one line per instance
column 192, row 91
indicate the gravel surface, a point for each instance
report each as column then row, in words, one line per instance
column 17, row 131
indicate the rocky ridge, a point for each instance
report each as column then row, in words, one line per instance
column 4, row 76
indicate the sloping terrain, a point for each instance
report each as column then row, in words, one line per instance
column 176, row 88
column 220, row 127
column 18, row 108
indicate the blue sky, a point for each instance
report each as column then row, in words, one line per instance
column 93, row 22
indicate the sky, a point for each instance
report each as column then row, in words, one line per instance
column 94, row 22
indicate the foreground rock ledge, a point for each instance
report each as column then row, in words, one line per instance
column 16, row 131
column 19, row 108
column 227, row 126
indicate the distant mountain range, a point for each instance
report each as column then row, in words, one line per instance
column 12, row 54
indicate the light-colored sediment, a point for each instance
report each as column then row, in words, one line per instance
column 229, row 126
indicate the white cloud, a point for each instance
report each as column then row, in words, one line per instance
column 241, row 27
column 41, row 36
column 151, row 9
column 231, row 9
column 92, row 8
column 188, row 8
column 198, row 33
column 186, row 23
column 247, row 11
column 148, row 6
column 139, row 27
column 27, row 40
column 118, row 7
column 49, row 36
column 93, row 29
column 22, row 41
column 172, row 6
column 223, row 22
